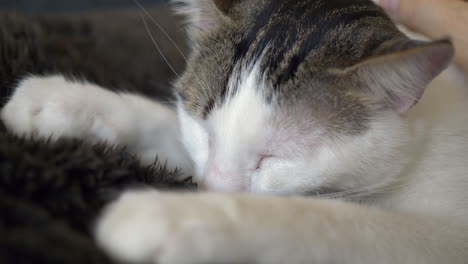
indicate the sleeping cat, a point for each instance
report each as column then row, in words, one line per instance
column 288, row 99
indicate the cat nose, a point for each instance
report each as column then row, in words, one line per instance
column 222, row 180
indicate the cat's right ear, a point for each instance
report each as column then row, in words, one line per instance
column 398, row 78
column 204, row 15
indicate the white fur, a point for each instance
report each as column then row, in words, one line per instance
column 163, row 228
column 424, row 217
column 414, row 165
column 194, row 138
column 55, row 107
column 237, row 132
column 245, row 128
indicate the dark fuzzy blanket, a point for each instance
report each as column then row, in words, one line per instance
column 51, row 193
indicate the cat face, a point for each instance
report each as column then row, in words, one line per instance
column 293, row 97
column 248, row 144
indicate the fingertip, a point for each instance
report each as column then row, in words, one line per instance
column 390, row 6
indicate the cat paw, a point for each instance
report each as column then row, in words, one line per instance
column 150, row 226
column 52, row 107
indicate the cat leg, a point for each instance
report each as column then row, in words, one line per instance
column 150, row 226
column 53, row 107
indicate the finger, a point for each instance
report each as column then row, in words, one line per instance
column 436, row 19
column 432, row 17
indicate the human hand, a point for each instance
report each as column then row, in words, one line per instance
column 436, row 19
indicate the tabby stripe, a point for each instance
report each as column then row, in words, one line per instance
column 208, row 108
column 278, row 26
column 316, row 38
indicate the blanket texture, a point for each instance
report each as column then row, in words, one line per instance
column 52, row 192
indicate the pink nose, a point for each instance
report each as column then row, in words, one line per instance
column 216, row 179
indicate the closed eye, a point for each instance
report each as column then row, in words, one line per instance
column 261, row 160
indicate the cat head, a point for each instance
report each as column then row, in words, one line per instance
column 299, row 96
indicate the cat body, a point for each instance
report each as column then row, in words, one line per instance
column 285, row 99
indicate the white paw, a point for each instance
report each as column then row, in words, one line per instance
column 54, row 107
column 150, row 226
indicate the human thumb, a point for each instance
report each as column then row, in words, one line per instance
column 434, row 18
column 426, row 16
column 390, row 6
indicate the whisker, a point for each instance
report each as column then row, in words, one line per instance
column 144, row 10
column 160, row 28
column 361, row 192
column 157, row 46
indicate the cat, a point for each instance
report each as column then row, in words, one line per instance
column 322, row 110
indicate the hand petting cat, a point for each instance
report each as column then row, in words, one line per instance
column 436, row 19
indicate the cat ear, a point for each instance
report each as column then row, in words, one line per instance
column 399, row 77
column 203, row 15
